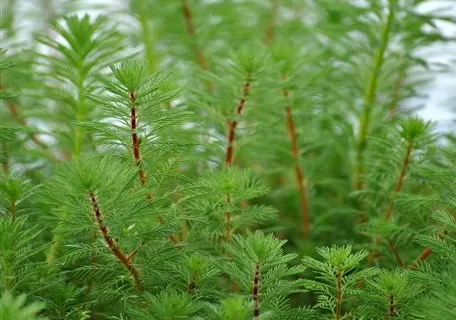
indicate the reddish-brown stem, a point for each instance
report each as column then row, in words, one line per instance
column 389, row 210
column 233, row 123
column 426, row 252
column 269, row 31
column 339, row 295
column 191, row 31
column 134, row 138
column 400, row 182
column 112, row 245
column 303, row 200
column 256, row 292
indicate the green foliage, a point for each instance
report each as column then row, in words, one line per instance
column 224, row 160
column 14, row 308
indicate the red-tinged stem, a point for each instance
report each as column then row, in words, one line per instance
column 303, row 200
column 423, row 256
column 256, row 292
column 339, row 295
column 230, row 148
column 400, row 182
column 233, row 123
column 134, row 138
column 191, row 31
column 426, row 252
column 113, row 246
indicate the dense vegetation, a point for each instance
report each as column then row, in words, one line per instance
column 226, row 160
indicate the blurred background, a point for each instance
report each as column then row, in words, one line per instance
column 437, row 100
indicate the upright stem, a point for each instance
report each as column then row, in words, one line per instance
column 233, row 123
column 389, row 210
column 80, row 116
column 302, row 190
column 230, row 148
column 269, row 31
column 148, row 46
column 256, row 292
column 400, row 182
column 339, row 295
column 369, row 97
column 392, row 312
column 126, row 260
column 191, row 31
column 134, row 137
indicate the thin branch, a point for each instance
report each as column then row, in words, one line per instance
column 113, row 246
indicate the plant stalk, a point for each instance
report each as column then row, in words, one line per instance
column 230, row 148
column 339, row 295
column 369, row 98
column 126, row 260
column 256, row 292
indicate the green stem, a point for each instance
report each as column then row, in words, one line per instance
column 339, row 295
column 369, row 97
column 80, row 116
column 148, row 45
